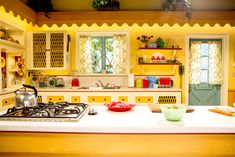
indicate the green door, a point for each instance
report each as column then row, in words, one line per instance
column 205, row 70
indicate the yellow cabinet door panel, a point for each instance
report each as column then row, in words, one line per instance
column 8, row 101
column 144, row 99
column 75, row 99
column 55, row 98
column 99, row 99
column 123, row 98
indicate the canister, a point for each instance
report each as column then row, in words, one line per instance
column 145, row 83
column 152, row 80
column 139, row 83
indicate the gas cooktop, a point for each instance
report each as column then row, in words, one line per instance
column 52, row 112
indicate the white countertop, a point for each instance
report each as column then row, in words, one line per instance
column 138, row 120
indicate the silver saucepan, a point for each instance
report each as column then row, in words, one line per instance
column 26, row 99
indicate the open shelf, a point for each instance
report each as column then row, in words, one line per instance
column 160, row 63
column 10, row 45
column 149, row 48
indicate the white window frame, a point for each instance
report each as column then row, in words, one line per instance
column 102, row 33
column 225, row 57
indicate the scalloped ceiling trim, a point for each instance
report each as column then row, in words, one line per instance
column 25, row 13
column 138, row 24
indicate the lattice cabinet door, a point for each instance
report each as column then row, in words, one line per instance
column 169, row 98
column 48, row 50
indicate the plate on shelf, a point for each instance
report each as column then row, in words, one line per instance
column 3, row 62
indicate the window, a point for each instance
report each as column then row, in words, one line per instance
column 103, row 52
column 204, row 63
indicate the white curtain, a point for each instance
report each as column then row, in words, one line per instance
column 215, row 63
column 85, row 55
column 120, row 54
column 195, row 62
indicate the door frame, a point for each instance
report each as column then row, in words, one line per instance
column 225, row 57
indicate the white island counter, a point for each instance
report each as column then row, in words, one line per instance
column 138, row 120
column 128, row 134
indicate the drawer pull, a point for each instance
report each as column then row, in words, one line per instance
column 59, row 98
column 105, row 99
column 123, row 99
column 5, row 102
column 93, row 99
column 75, row 99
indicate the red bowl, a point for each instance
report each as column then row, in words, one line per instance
column 119, row 106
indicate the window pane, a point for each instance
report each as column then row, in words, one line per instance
column 109, row 54
column 204, row 76
column 96, row 54
column 204, row 63
column 204, row 49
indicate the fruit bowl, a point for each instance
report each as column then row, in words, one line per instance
column 119, row 106
column 173, row 112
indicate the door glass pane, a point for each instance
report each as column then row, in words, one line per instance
column 109, row 54
column 204, row 63
column 204, row 49
column 96, row 54
column 204, row 76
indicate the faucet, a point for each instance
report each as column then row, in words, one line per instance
column 100, row 84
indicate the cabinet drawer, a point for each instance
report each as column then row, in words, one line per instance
column 55, row 98
column 144, row 99
column 75, row 99
column 8, row 101
column 99, row 99
column 123, row 98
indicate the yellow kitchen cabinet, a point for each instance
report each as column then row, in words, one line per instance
column 99, row 99
column 75, row 99
column 123, row 98
column 7, row 100
column 168, row 98
column 55, row 98
column 144, row 99
column 48, row 50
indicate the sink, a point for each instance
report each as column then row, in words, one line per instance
column 95, row 87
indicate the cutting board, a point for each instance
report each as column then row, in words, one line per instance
column 156, row 108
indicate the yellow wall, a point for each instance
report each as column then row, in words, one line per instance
column 166, row 32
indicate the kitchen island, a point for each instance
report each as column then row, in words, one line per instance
column 138, row 132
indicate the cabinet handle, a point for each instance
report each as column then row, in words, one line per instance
column 50, row 99
column 123, row 99
column 148, row 99
column 59, row 98
column 105, row 99
column 93, row 99
column 5, row 102
column 75, row 99
column 138, row 99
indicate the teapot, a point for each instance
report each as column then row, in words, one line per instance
column 26, row 99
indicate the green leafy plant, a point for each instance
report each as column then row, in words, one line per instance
column 106, row 3
column 172, row 5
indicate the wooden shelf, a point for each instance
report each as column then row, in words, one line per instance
column 160, row 63
column 148, row 48
column 11, row 45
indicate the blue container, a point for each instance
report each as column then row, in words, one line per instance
column 152, row 81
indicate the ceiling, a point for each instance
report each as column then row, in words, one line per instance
column 197, row 5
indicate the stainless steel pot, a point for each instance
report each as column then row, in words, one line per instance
column 26, row 99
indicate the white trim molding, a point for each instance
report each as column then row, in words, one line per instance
column 225, row 57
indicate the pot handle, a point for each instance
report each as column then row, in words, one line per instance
column 32, row 87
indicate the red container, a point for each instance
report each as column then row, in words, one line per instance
column 145, row 83
column 75, row 82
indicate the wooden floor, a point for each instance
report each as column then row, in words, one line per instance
column 20, row 144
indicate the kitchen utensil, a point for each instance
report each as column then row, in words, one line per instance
column 119, row 106
column 165, row 82
column 75, row 82
column 145, row 83
column 26, row 99
column 173, row 112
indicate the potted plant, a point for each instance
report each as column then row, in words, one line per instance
column 144, row 39
column 105, row 5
